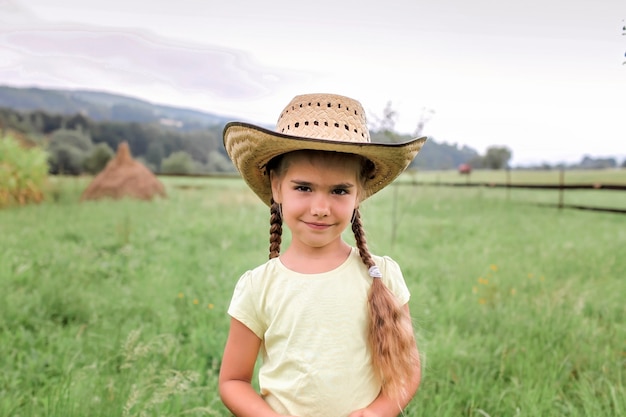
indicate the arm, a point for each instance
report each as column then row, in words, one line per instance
column 384, row 406
column 236, row 391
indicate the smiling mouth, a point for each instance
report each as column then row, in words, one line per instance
column 318, row 225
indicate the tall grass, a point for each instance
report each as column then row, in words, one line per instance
column 118, row 308
column 520, row 309
column 23, row 172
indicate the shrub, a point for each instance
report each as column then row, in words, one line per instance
column 69, row 150
column 23, row 172
column 177, row 163
column 99, row 157
column 219, row 163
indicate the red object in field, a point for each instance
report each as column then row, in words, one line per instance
column 465, row 169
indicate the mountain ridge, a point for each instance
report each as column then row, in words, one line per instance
column 104, row 106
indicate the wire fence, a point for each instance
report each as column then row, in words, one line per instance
column 515, row 184
column 561, row 187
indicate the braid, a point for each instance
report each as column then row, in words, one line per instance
column 359, row 236
column 276, row 229
column 391, row 335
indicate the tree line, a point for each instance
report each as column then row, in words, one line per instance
column 175, row 140
column 438, row 155
column 77, row 144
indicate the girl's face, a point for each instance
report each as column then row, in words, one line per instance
column 318, row 196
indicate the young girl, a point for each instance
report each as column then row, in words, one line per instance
column 331, row 321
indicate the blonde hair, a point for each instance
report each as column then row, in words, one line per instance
column 392, row 342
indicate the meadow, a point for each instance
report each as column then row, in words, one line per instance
column 118, row 308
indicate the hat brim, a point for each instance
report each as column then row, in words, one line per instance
column 251, row 147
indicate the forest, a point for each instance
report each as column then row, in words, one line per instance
column 77, row 144
column 81, row 130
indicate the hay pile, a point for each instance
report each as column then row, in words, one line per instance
column 124, row 177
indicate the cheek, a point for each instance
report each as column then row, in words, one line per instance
column 349, row 205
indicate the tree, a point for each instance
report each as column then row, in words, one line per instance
column 154, row 155
column 68, row 151
column 66, row 159
column 98, row 158
column 74, row 138
column 383, row 128
column 425, row 117
column 177, row 163
column 497, row 157
column 596, row 163
column 77, row 122
column 219, row 163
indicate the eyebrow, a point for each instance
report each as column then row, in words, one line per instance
column 345, row 185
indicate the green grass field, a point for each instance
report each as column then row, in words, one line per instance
column 119, row 308
column 586, row 176
column 599, row 198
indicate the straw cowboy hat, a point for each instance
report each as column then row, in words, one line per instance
column 325, row 122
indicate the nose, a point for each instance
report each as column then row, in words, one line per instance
column 320, row 206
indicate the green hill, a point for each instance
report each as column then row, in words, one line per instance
column 100, row 106
column 105, row 108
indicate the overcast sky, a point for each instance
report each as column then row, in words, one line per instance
column 544, row 78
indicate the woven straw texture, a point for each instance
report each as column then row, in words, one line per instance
column 324, row 116
column 316, row 122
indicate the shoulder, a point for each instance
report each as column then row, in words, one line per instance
column 393, row 277
column 262, row 271
column 249, row 295
column 387, row 265
column 253, row 279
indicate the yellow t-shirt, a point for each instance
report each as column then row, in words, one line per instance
column 313, row 327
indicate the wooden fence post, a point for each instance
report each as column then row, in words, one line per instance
column 561, row 186
column 508, row 183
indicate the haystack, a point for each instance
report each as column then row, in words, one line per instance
column 124, row 177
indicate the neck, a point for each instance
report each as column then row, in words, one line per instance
column 310, row 260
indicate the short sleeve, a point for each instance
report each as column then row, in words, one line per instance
column 244, row 305
column 394, row 280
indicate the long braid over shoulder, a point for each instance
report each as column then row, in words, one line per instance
column 391, row 337
column 276, row 229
